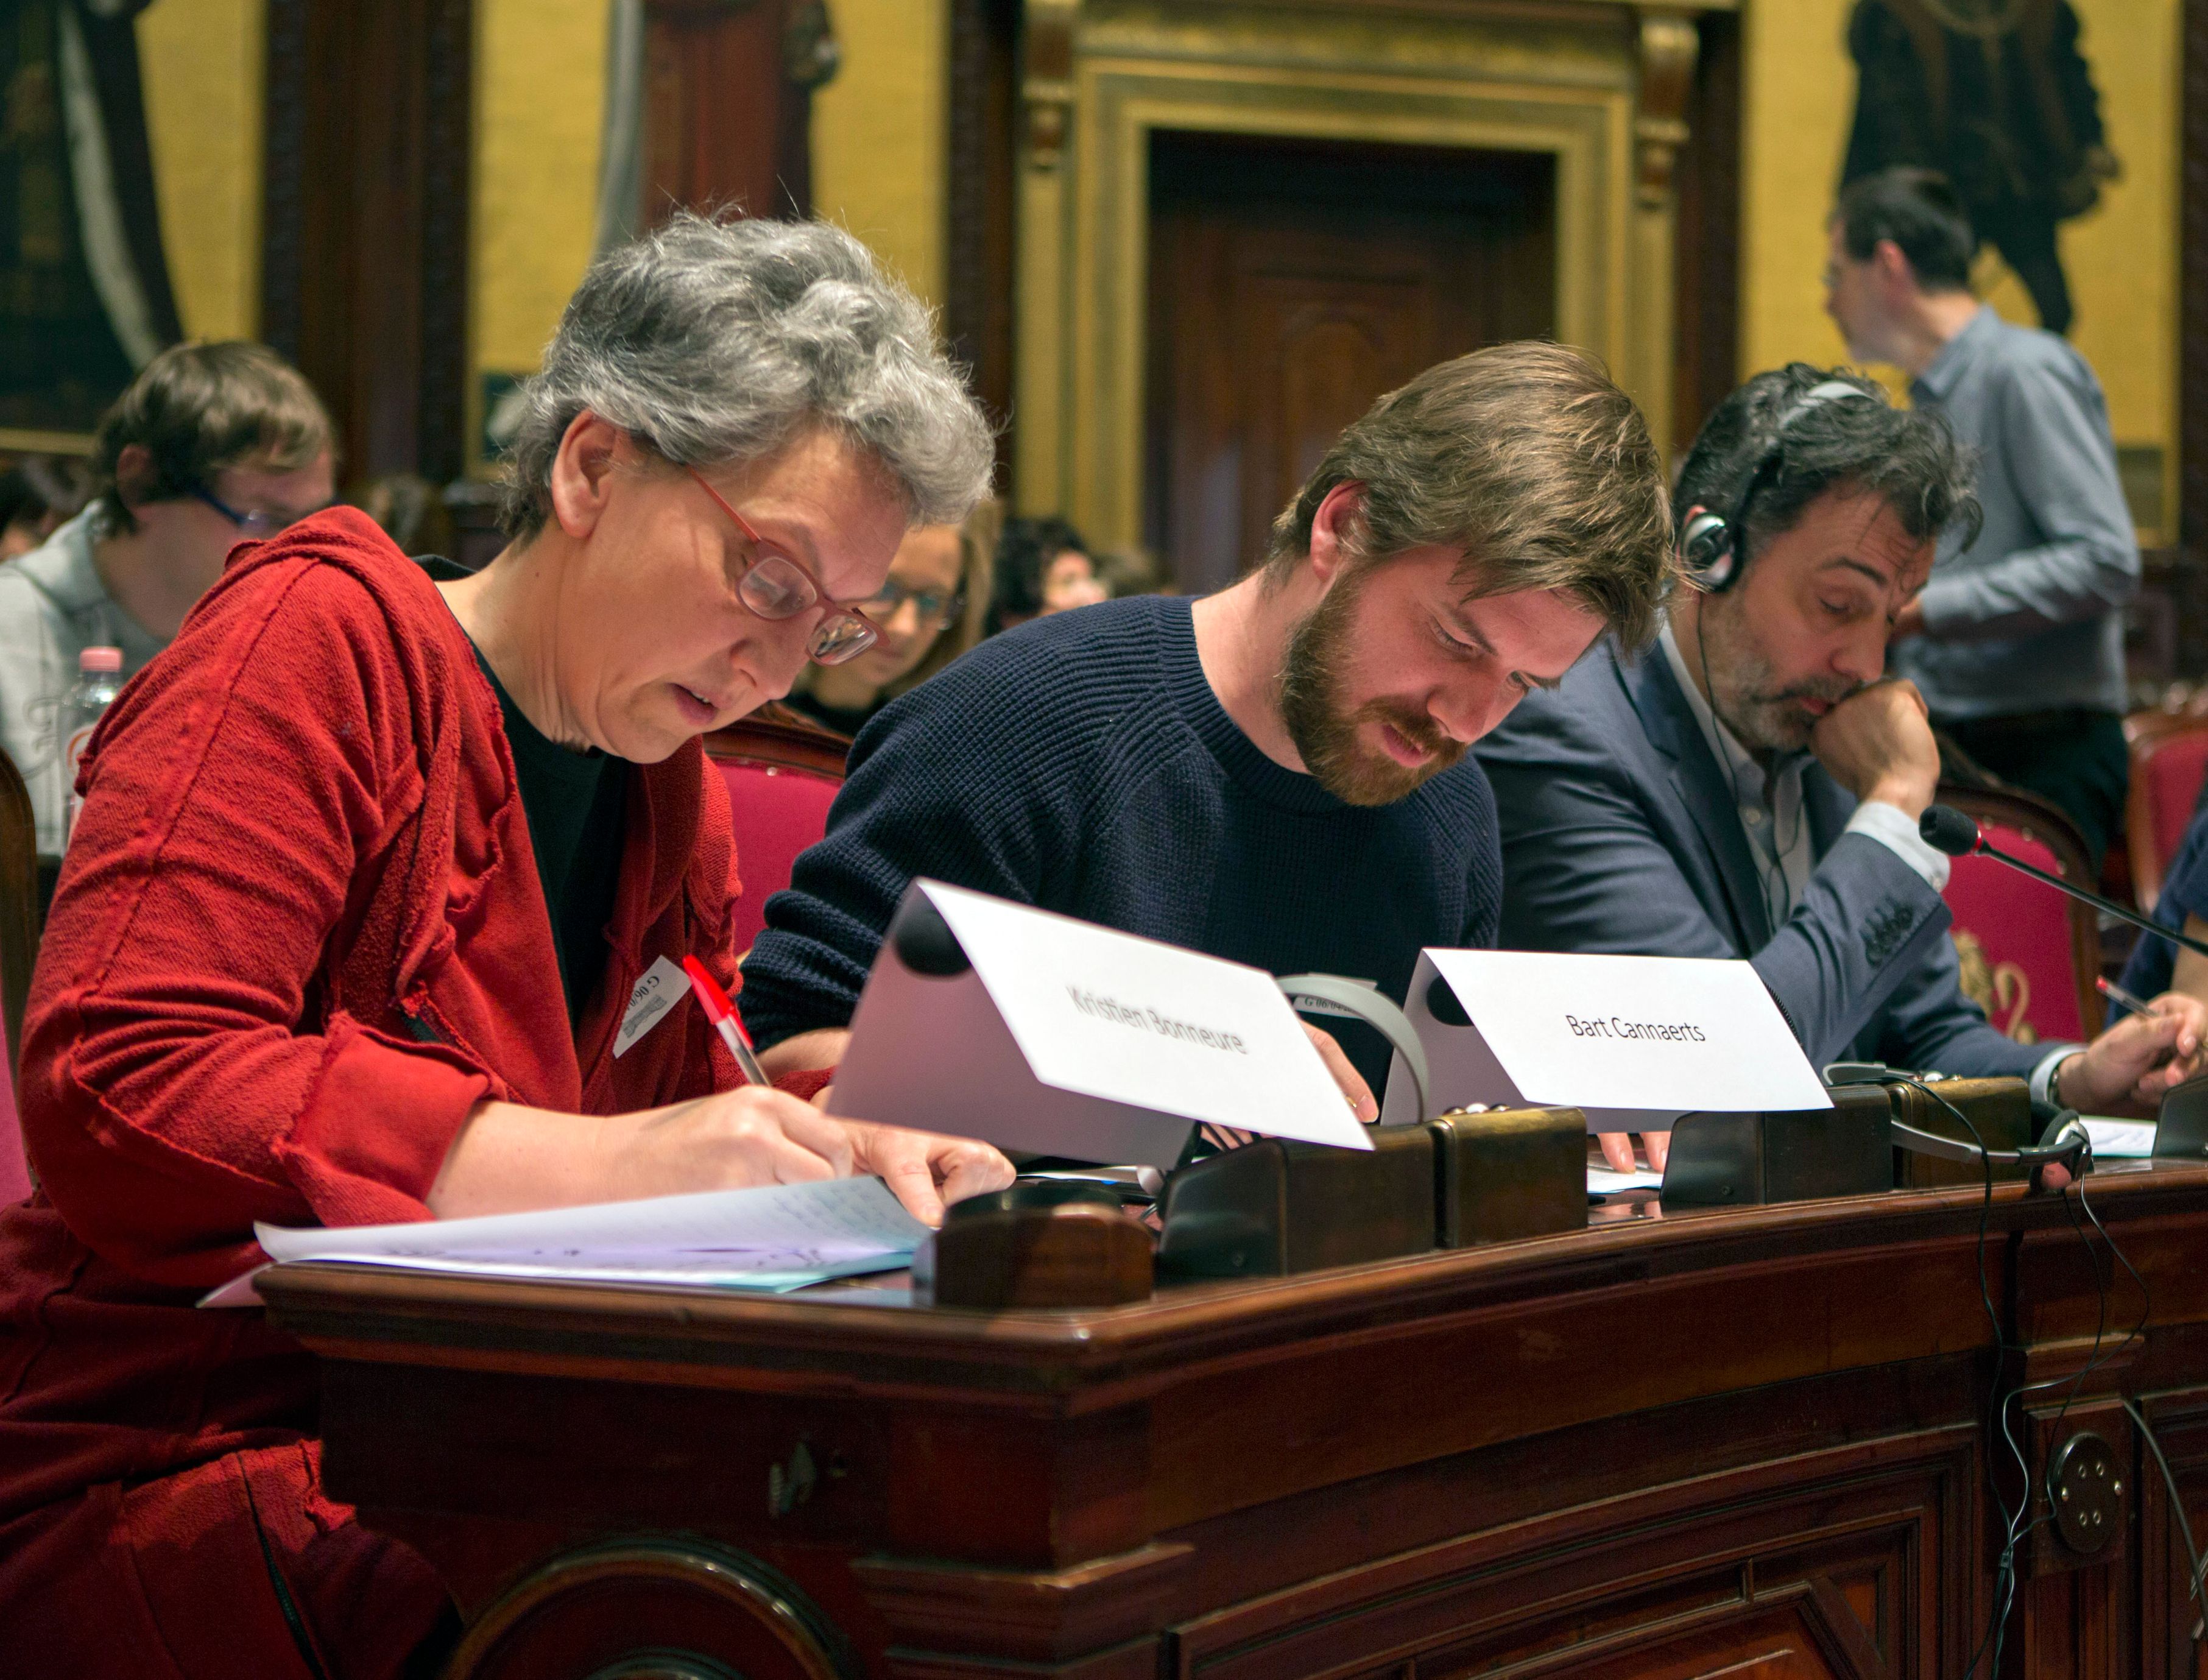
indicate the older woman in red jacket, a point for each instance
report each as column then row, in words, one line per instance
column 367, row 863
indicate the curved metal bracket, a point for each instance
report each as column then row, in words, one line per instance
column 1373, row 1008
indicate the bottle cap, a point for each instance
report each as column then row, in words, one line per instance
column 101, row 659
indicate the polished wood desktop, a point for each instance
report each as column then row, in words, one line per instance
column 1750, row 1442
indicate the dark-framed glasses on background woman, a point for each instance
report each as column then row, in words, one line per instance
column 933, row 606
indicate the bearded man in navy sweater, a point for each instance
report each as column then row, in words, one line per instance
column 1275, row 774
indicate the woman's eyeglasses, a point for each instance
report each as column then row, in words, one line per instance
column 933, row 606
column 775, row 587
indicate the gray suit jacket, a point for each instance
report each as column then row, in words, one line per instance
column 1620, row 833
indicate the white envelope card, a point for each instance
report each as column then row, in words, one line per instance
column 1636, row 1041
column 989, row 1019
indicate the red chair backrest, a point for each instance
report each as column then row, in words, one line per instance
column 2169, row 762
column 779, row 811
column 783, row 774
column 19, row 951
column 14, row 1168
column 2029, row 954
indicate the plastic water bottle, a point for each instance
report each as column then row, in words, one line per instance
column 99, row 678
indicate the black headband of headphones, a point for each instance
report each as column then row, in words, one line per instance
column 1714, row 548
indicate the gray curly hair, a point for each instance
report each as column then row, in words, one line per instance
column 710, row 341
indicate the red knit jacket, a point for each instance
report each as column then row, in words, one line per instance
column 299, row 936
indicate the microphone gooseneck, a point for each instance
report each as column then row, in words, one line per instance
column 1947, row 830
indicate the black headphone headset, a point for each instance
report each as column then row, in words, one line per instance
column 1715, row 547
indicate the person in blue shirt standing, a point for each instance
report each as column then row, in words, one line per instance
column 2017, row 642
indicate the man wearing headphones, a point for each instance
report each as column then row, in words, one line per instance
column 1751, row 786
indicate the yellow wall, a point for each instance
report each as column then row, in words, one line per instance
column 880, row 134
column 1799, row 98
column 201, row 61
column 540, row 91
column 539, row 78
column 878, row 137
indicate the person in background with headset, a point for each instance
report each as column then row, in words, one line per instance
column 1751, row 787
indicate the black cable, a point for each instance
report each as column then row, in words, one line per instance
column 2138, row 1330
column 1997, row 1406
column 2199, row 1570
column 2015, row 1529
column 2177, row 1510
column 2095, row 1358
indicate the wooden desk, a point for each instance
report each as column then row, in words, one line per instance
column 1738, row 1442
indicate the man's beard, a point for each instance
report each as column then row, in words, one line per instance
column 1325, row 727
column 1745, row 693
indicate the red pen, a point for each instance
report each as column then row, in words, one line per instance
column 723, row 1014
column 2117, row 994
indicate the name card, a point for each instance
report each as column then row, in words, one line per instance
column 989, row 1019
column 1635, row 1041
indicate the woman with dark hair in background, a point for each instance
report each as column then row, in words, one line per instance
column 1042, row 567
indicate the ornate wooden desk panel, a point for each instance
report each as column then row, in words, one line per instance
column 1738, row 1442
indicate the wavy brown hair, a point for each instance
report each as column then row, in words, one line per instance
column 198, row 408
column 1527, row 458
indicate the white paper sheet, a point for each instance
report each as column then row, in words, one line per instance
column 1608, row 1181
column 1067, row 1039
column 2120, row 1140
column 1136, row 1021
column 1632, row 1041
column 776, row 1237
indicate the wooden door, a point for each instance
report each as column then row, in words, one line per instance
column 365, row 221
column 728, row 104
column 1292, row 283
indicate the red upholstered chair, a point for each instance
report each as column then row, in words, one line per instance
column 2030, row 955
column 2169, row 760
column 19, row 951
column 14, row 1167
column 783, row 772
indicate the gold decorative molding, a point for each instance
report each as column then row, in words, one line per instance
column 1046, row 87
column 1600, row 86
column 1669, row 43
column 16, row 440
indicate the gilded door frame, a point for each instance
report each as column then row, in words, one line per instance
column 1599, row 94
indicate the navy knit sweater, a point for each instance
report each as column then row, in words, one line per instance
column 1082, row 764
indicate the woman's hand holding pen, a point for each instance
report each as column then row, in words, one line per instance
column 509, row 1159
column 512, row 1159
column 926, row 1171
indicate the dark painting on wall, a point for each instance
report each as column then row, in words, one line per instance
column 1998, row 97
column 84, row 292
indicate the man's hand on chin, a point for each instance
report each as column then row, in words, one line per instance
column 1877, row 744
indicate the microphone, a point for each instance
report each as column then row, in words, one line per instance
column 1947, row 830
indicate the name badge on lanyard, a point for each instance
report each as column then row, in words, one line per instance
column 651, row 1000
